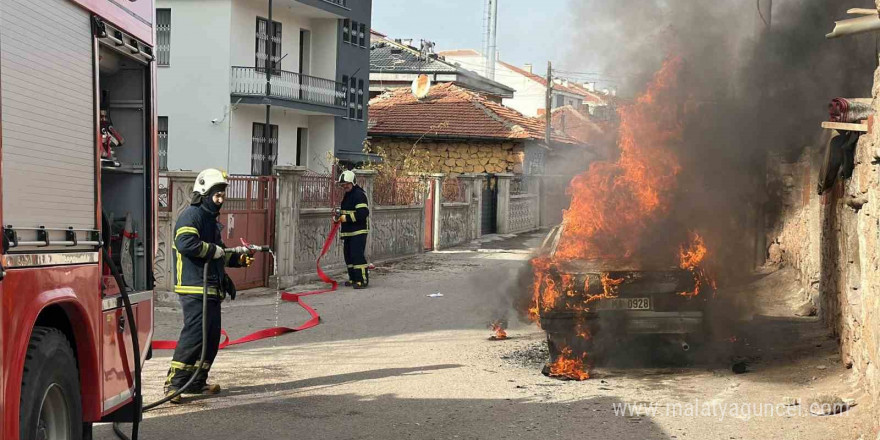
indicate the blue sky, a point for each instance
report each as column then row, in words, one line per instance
column 528, row 31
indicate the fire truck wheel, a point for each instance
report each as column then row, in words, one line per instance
column 50, row 394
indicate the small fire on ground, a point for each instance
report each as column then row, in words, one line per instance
column 614, row 207
column 498, row 328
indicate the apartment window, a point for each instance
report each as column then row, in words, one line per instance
column 363, row 35
column 346, row 31
column 163, row 37
column 352, row 98
column 262, row 40
column 162, row 134
column 263, row 151
column 354, row 33
column 360, row 100
column 560, row 101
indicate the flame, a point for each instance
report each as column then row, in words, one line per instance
column 609, row 285
column 613, row 204
column 498, row 328
column 581, row 330
column 569, row 366
column 691, row 258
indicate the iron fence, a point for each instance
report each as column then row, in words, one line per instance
column 319, row 191
column 164, row 193
column 290, row 86
column 454, row 191
column 399, row 190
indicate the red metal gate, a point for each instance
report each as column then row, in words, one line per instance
column 249, row 213
column 429, row 217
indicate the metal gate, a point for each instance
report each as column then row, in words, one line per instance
column 249, row 213
column 489, row 225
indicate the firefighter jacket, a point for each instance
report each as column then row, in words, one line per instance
column 196, row 237
column 355, row 213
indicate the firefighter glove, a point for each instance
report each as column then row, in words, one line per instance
column 218, row 252
column 246, row 260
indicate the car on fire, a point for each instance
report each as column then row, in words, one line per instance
column 589, row 305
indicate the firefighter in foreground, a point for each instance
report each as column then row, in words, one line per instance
column 197, row 241
column 354, row 215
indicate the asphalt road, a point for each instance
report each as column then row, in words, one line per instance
column 392, row 363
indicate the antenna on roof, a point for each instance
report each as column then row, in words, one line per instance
column 421, row 86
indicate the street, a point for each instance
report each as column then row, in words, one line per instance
column 391, row 362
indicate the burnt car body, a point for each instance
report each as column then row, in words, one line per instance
column 603, row 301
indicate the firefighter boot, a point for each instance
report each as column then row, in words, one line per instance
column 208, row 389
column 178, row 399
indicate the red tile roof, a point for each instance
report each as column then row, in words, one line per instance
column 577, row 124
column 452, row 111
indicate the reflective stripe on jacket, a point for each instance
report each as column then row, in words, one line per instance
column 197, row 235
column 355, row 213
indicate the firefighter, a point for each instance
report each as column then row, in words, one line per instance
column 354, row 215
column 197, row 241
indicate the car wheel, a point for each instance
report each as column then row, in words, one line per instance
column 51, row 408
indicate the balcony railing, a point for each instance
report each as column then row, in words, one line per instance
column 290, row 86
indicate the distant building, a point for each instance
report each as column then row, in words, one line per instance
column 462, row 131
column 212, row 78
column 396, row 63
column 530, row 87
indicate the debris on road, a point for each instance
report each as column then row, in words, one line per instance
column 498, row 327
column 435, row 295
column 828, row 405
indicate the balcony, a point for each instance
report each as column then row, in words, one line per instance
column 289, row 89
column 338, row 8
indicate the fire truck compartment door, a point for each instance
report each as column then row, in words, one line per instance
column 48, row 114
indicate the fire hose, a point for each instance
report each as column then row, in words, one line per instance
column 137, row 398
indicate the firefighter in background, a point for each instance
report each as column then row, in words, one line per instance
column 197, row 241
column 354, row 215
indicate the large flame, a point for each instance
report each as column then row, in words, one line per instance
column 691, row 258
column 613, row 204
column 569, row 366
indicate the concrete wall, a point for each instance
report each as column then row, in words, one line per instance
column 455, row 224
column 194, row 89
column 242, row 120
column 322, row 143
column 396, row 231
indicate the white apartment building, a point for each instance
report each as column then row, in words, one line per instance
column 212, row 83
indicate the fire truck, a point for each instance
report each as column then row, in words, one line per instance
column 78, row 177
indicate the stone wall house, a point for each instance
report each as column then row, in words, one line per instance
column 833, row 241
column 454, row 131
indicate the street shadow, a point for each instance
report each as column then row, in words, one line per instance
column 352, row 416
column 337, row 379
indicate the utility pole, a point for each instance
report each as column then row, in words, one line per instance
column 764, row 23
column 267, row 129
column 548, row 102
column 492, row 48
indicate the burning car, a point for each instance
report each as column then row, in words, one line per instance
column 586, row 305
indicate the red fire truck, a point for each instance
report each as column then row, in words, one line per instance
column 77, row 182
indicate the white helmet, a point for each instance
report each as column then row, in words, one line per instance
column 347, row 176
column 209, row 178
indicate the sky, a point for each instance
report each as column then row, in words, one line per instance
column 528, row 31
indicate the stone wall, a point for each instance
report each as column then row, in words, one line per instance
column 834, row 242
column 457, row 157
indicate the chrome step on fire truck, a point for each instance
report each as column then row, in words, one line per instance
column 77, row 179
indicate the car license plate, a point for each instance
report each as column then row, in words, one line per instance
column 625, row 304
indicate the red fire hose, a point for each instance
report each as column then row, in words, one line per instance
column 314, row 319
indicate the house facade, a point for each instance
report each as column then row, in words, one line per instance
column 212, row 83
column 530, row 85
column 397, row 63
column 454, row 130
